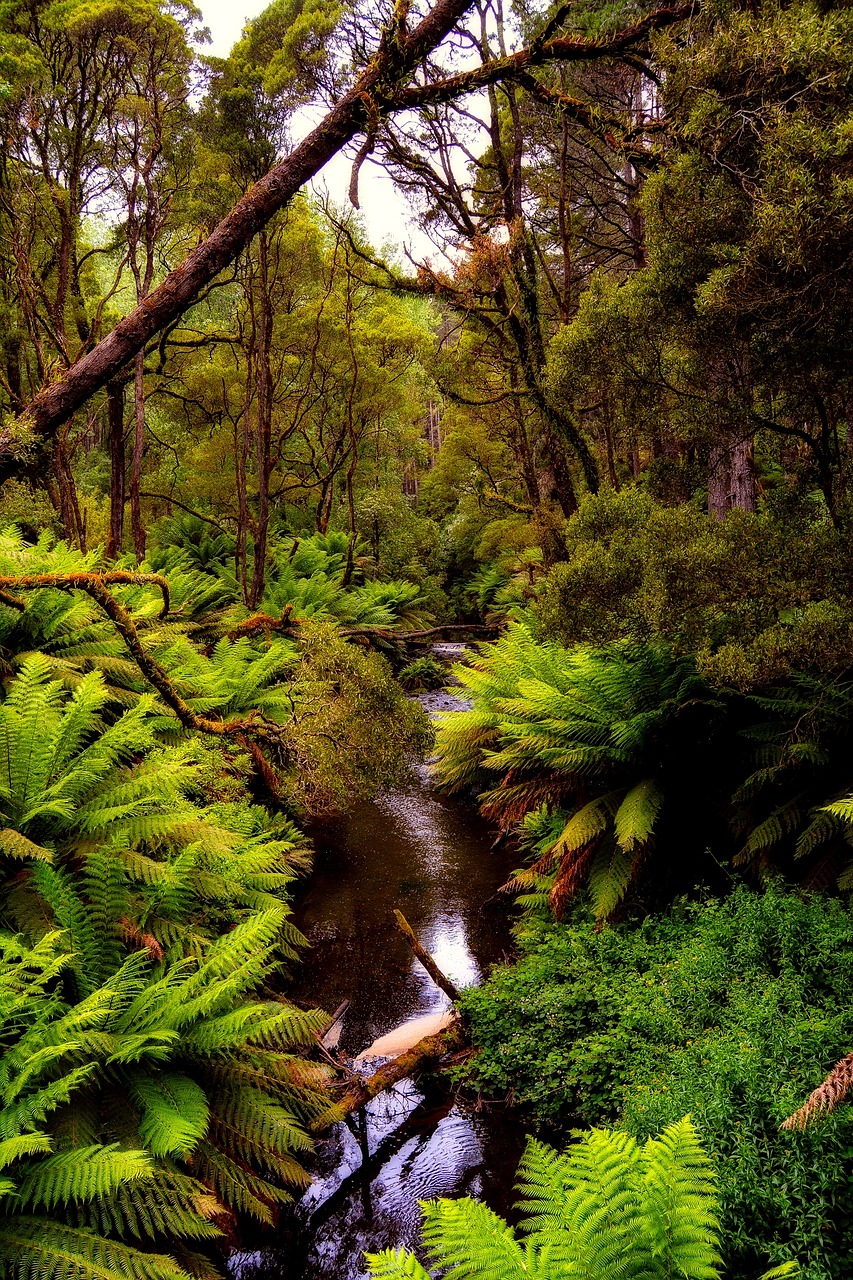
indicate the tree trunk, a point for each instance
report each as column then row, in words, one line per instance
column 13, row 371
column 115, row 438
column 263, row 434
column 69, row 507
column 742, row 487
column 396, row 57
column 137, row 531
column 731, row 478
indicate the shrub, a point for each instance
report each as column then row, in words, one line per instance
column 731, row 1011
column 423, row 675
column 755, row 596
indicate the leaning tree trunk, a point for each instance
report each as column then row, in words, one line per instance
column 396, row 58
column 381, row 87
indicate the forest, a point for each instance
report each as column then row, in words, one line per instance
column 541, row 530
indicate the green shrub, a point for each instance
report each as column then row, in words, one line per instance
column 755, row 596
column 732, row 1011
column 423, row 675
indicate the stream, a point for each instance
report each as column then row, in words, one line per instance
column 430, row 856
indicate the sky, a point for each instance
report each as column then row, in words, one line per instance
column 386, row 213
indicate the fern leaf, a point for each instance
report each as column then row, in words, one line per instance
column 636, row 816
column 395, row 1264
column 174, row 1112
column 81, row 1174
column 469, row 1239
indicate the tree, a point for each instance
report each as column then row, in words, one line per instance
column 147, row 160
column 387, row 82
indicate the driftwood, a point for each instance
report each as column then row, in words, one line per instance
column 425, row 958
column 324, row 1036
column 425, row 1054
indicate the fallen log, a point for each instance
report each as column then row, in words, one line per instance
column 425, row 958
column 426, row 1053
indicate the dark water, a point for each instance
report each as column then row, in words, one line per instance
column 431, row 857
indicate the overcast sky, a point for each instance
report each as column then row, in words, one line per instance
column 385, row 213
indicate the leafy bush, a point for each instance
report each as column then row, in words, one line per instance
column 423, row 675
column 755, row 596
column 731, row 1011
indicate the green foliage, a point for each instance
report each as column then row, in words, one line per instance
column 423, row 674
column 204, row 546
column 329, row 694
column 788, row 808
column 608, row 1207
column 730, row 1010
column 755, row 596
column 600, row 752
column 353, row 729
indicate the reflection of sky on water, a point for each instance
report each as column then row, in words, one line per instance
column 446, row 939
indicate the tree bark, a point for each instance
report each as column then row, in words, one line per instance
column 115, row 419
column 136, row 529
column 731, row 478
column 263, row 426
column 743, row 475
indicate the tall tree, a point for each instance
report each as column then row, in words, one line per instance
column 399, row 76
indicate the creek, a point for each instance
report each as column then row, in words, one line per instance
column 431, row 857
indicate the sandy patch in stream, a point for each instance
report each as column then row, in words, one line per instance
column 404, row 1037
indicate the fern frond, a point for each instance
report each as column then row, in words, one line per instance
column 81, row 1174
column 395, row 1264
column 469, row 1239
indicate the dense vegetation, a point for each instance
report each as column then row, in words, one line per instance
column 250, row 462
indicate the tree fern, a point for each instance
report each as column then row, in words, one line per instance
column 602, row 743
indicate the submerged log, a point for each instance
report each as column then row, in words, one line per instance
column 425, row 958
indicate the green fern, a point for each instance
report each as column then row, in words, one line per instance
column 609, row 1209
column 598, row 742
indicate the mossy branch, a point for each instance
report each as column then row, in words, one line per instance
column 265, row 624
column 96, row 586
column 79, row 582
column 537, row 54
column 440, row 979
